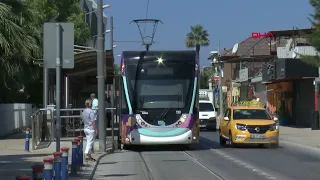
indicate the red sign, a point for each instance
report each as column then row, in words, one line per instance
column 215, row 78
column 257, row 35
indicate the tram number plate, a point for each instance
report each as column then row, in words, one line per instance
column 161, row 123
column 257, row 136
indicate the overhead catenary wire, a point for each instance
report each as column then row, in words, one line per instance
column 145, row 24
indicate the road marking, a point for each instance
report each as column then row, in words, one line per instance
column 204, row 166
column 243, row 164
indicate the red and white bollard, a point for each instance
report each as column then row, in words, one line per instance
column 37, row 171
column 48, row 168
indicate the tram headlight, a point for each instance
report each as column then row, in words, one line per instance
column 138, row 118
column 183, row 118
column 132, row 121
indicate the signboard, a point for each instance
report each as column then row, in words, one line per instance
column 258, row 35
column 50, row 45
column 243, row 74
column 224, row 89
column 229, row 98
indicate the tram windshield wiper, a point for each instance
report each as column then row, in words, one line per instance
column 165, row 112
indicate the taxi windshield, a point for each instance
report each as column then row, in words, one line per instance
column 251, row 114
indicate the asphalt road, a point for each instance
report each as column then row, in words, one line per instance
column 285, row 162
column 209, row 161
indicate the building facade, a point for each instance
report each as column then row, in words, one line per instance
column 90, row 7
column 271, row 69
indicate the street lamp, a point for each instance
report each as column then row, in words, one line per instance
column 107, row 31
column 103, row 7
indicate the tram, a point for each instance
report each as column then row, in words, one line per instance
column 158, row 104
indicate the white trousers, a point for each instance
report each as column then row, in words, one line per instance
column 90, row 140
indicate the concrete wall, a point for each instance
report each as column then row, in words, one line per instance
column 14, row 116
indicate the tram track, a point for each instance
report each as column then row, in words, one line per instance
column 145, row 167
column 195, row 160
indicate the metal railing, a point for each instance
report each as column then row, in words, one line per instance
column 43, row 124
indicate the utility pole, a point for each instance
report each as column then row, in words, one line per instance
column 113, row 86
column 58, row 87
column 101, row 78
column 220, row 82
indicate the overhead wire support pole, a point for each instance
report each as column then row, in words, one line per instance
column 101, row 79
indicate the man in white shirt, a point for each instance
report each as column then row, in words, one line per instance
column 95, row 107
column 94, row 104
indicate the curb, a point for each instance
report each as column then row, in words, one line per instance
column 304, row 148
column 108, row 151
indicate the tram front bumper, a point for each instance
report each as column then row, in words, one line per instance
column 137, row 138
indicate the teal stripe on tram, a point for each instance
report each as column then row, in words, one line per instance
column 127, row 94
column 174, row 132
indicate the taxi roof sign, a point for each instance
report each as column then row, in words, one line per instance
column 252, row 103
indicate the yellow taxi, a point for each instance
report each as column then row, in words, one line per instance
column 248, row 124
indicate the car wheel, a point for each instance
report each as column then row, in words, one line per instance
column 231, row 143
column 222, row 140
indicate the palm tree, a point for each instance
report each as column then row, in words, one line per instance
column 20, row 40
column 197, row 37
column 19, row 37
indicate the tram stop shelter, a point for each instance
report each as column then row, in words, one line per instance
column 78, row 83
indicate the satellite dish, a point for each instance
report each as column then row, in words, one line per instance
column 235, row 48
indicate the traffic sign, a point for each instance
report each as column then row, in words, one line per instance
column 50, row 44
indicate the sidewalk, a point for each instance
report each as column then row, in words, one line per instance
column 123, row 165
column 300, row 136
column 15, row 161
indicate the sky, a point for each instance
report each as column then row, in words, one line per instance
column 227, row 21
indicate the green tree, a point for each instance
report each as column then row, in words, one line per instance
column 21, row 34
column 205, row 75
column 197, row 37
column 19, row 45
column 314, row 38
column 64, row 11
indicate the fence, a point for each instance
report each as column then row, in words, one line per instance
column 43, row 124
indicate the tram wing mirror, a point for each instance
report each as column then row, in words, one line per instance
column 226, row 118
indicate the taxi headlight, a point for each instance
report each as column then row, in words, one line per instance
column 273, row 127
column 241, row 127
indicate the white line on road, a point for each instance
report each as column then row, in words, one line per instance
column 243, row 164
column 205, row 167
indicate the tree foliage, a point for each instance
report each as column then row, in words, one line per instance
column 205, row 76
column 19, row 45
column 197, row 37
column 21, row 34
column 64, row 11
column 314, row 38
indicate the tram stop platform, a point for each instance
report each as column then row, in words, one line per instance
column 15, row 161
